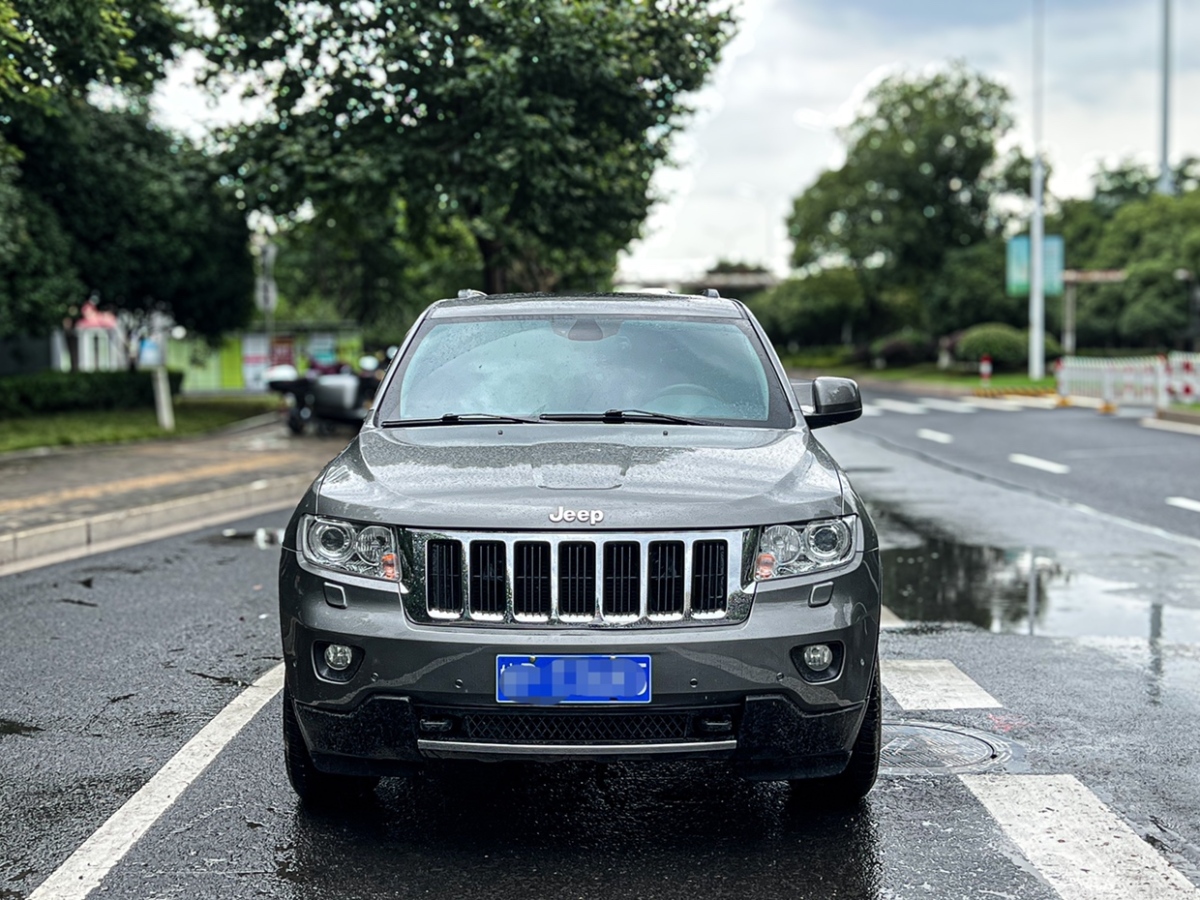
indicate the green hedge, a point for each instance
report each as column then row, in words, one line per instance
column 1007, row 346
column 23, row 395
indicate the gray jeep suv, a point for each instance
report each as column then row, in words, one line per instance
column 584, row 527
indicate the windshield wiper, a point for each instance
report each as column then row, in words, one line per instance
column 626, row 415
column 456, row 419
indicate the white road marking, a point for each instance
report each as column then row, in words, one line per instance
column 938, row 437
column 994, row 404
column 888, row 619
column 1184, row 503
column 84, row 869
column 1080, row 846
column 900, row 406
column 954, row 406
column 933, row 684
column 869, row 410
column 1035, row 462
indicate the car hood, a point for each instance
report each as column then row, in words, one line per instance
column 515, row 477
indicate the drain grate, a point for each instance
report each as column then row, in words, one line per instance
column 912, row 748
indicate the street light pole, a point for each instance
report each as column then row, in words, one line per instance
column 1037, row 296
column 1166, row 183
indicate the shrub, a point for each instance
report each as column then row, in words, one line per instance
column 903, row 348
column 1007, row 346
column 62, row 391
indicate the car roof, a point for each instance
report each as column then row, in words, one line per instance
column 674, row 305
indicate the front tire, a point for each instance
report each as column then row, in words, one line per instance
column 853, row 784
column 316, row 789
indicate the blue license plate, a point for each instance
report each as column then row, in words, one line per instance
column 546, row 680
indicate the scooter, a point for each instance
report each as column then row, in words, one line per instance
column 326, row 401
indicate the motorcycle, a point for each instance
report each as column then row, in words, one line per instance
column 326, row 401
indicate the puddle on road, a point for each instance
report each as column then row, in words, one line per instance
column 930, row 577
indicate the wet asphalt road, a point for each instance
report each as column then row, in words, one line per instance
column 110, row 664
column 1113, row 463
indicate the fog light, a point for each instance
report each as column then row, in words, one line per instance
column 338, row 657
column 817, row 657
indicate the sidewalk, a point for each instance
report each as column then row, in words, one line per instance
column 63, row 504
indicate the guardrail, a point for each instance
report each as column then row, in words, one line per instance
column 1156, row 381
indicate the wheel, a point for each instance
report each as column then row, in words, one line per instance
column 851, row 785
column 295, row 424
column 315, row 788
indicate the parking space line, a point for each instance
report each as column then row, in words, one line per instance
column 1077, row 843
column 1034, row 462
column 938, row 437
column 933, row 684
column 84, row 869
column 1184, row 503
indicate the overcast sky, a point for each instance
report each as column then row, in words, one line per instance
column 799, row 67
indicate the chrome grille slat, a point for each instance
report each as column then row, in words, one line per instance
column 531, row 581
column 584, row 579
column 489, row 580
column 622, row 581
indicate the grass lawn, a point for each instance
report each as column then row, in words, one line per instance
column 929, row 373
column 114, row 426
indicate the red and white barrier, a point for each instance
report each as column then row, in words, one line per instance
column 1183, row 378
column 1134, row 381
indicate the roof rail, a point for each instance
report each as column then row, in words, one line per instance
column 711, row 292
column 464, row 293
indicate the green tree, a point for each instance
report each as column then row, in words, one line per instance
column 920, row 180
column 536, row 123
column 1152, row 240
column 820, row 309
column 140, row 220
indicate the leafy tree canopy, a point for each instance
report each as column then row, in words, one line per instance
column 921, row 177
column 536, row 123
column 120, row 209
column 52, row 48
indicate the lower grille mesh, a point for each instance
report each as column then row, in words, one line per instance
column 533, row 727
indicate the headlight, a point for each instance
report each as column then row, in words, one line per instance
column 368, row 550
column 799, row 549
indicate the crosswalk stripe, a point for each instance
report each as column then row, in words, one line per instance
column 933, row 684
column 954, row 406
column 993, row 403
column 888, row 619
column 869, row 410
column 1080, row 846
column 900, row 406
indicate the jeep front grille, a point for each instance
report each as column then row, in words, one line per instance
column 572, row 579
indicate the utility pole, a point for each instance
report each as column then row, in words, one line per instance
column 1166, row 183
column 1037, row 295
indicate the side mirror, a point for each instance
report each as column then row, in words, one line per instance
column 835, row 400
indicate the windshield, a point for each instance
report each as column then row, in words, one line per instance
column 709, row 369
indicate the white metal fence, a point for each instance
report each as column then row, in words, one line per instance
column 1156, row 381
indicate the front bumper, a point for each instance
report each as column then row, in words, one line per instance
column 733, row 692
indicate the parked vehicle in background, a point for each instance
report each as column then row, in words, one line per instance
column 326, row 399
column 584, row 527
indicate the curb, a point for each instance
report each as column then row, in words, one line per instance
column 999, row 393
column 24, row 550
